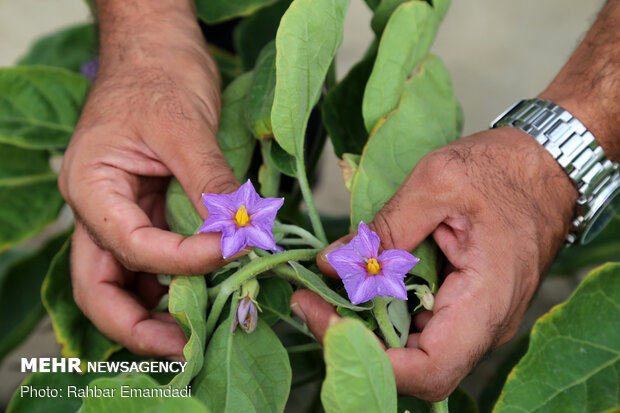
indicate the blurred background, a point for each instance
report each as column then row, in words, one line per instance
column 496, row 50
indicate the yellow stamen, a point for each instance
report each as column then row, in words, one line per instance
column 241, row 217
column 373, row 266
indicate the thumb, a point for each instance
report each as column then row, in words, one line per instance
column 200, row 166
column 411, row 215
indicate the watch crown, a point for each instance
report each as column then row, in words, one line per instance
column 577, row 222
column 570, row 239
column 582, row 200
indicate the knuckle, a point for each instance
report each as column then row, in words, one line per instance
column 383, row 225
column 218, row 176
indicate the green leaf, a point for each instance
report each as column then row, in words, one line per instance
column 573, row 360
column 39, row 106
column 68, row 48
column 181, row 216
column 28, row 204
column 188, row 304
column 308, row 37
column 268, row 174
column 458, row 402
column 426, row 268
column 282, row 160
column 359, row 373
column 17, row 163
column 244, row 372
column 311, row 281
column 233, row 135
column 228, row 64
column 213, row 11
column 260, row 96
column 20, row 300
column 399, row 316
column 404, row 43
column 342, row 110
column 253, row 33
column 77, row 335
column 127, row 404
column 386, row 8
column 425, row 119
column 274, row 298
column 605, row 247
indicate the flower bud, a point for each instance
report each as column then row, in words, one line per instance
column 246, row 314
column 428, row 301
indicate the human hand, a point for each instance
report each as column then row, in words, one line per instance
column 498, row 206
column 153, row 112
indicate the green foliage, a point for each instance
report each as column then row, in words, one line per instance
column 18, row 163
column 573, row 360
column 228, row 64
column 159, row 404
column 308, row 37
column 188, row 304
column 20, row 300
column 260, row 95
column 77, row 335
column 273, row 298
column 233, row 135
column 39, row 106
column 244, row 372
column 404, row 43
column 213, row 11
column 68, row 48
column 458, row 402
column 181, row 216
column 356, row 364
column 253, row 33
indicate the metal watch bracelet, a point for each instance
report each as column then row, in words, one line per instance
column 572, row 146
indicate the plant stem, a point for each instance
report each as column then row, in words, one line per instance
column 440, row 407
column 381, row 315
column 302, row 178
column 254, row 268
column 301, row 233
column 301, row 348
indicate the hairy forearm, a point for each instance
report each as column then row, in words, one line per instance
column 589, row 84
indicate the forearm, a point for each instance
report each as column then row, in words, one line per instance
column 589, row 84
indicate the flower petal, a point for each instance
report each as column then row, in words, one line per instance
column 219, row 204
column 366, row 242
column 360, row 288
column 246, row 195
column 232, row 242
column 387, row 286
column 347, row 262
column 396, row 262
column 264, row 210
column 257, row 237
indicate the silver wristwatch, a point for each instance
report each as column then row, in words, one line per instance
column 569, row 142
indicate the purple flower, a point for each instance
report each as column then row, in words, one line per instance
column 366, row 273
column 243, row 217
column 89, row 69
column 246, row 316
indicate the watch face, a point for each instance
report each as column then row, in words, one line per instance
column 602, row 218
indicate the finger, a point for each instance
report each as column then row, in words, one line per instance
column 462, row 328
column 195, row 158
column 148, row 289
column 109, row 209
column 420, row 320
column 317, row 313
column 98, row 282
column 321, row 259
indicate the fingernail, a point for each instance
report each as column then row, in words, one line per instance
column 296, row 308
column 331, row 247
column 238, row 255
column 333, row 320
column 178, row 359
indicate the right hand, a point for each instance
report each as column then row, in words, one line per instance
column 153, row 112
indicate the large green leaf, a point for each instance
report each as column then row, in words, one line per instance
column 274, row 298
column 311, row 281
column 181, row 216
column 17, row 163
column 20, row 300
column 228, row 64
column 188, row 304
column 359, row 373
column 342, row 110
column 39, row 106
column 308, row 37
column 77, row 335
column 244, row 372
column 233, row 135
column 425, row 119
column 68, row 48
column 269, row 175
column 136, row 404
column 404, row 43
column 253, row 33
column 387, row 7
column 260, row 96
column 213, row 11
column 27, row 205
column 573, row 360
